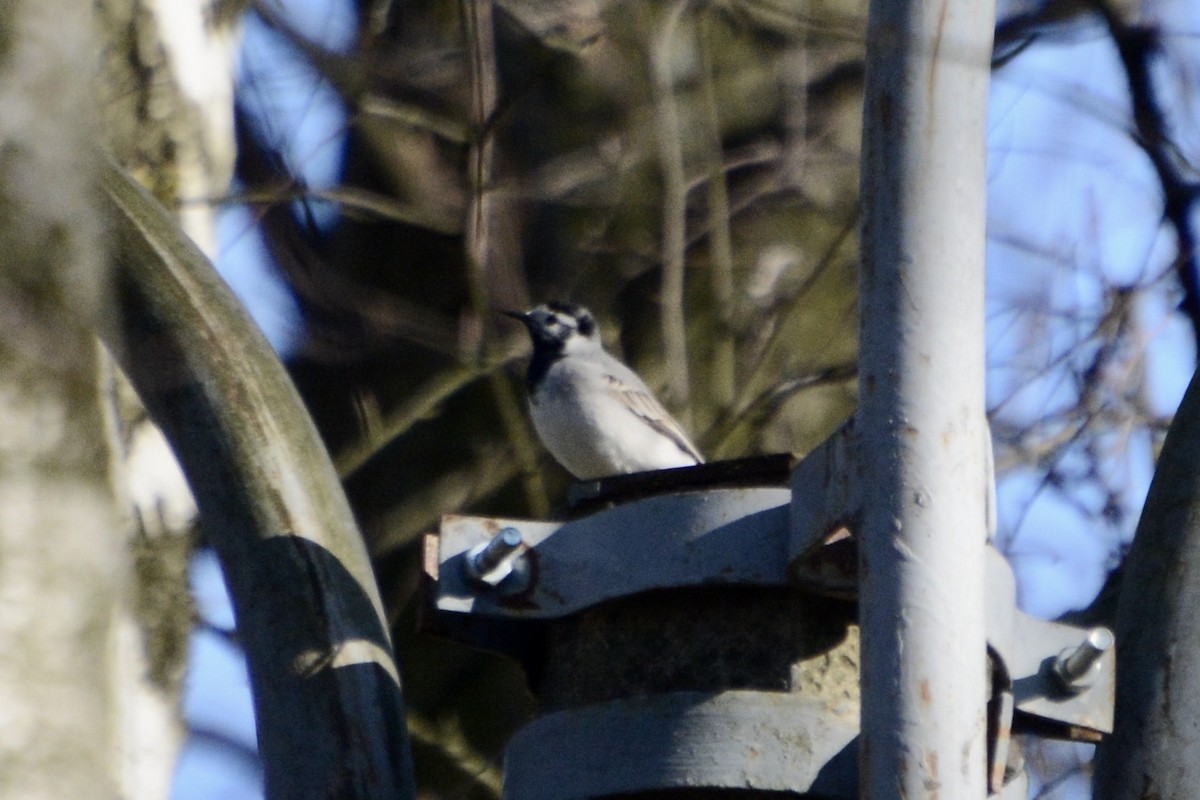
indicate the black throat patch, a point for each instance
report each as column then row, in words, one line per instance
column 545, row 353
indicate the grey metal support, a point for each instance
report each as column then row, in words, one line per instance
column 1155, row 750
column 921, row 414
column 327, row 696
column 705, row 639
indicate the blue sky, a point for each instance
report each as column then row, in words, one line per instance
column 1074, row 210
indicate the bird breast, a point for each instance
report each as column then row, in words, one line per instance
column 591, row 431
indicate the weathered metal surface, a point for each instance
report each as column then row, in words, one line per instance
column 754, row 471
column 1037, row 691
column 1000, row 716
column 1155, row 750
column 327, row 694
column 826, row 498
column 739, row 537
column 735, row 739
column 699, row 640
column 638, row 613
column 1016, row 789
column 1027, row 648
column 718, row 537
column 921, row 418
column 1000, row 589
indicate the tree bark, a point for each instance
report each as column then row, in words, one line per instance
column 59, row 560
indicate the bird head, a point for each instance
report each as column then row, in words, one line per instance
column 559, row 327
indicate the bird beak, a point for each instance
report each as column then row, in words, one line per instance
column 519, row 315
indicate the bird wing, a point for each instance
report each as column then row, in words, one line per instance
column 639, row 400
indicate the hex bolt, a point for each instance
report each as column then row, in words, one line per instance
column 1075, row 670
column 490, row 563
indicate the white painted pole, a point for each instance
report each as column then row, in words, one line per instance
column 921, row 391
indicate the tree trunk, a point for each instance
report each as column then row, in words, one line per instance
column 59, row 562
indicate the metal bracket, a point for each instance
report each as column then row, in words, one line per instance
column 494, row 577
column 826, row 506
column 722, row 536
column 741, row 537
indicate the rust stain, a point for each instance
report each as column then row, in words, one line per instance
column 839, row 533
column 925, row 693
column 430, row 552
column 937, row 47
column 1077, row 733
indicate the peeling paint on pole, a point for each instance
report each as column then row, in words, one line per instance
column 922, row 400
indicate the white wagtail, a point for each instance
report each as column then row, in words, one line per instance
column 593, row 413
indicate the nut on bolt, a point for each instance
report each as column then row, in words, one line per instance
column 500, row 562
column 1075, row 670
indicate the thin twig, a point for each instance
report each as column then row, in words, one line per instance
column 1137, row 45
column 761, row 408
column 448, row 739
column 481, row 45
column 490, row 469
column 720, row 243
column 419, row 405
column 674, row 223
column 415, row 117
column 722, row 433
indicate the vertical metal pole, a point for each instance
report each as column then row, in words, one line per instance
column 921, row 394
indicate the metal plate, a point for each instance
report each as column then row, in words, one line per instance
column 715, row 537
column 1039, row 641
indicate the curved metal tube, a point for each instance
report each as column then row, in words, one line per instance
column 330, row 713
